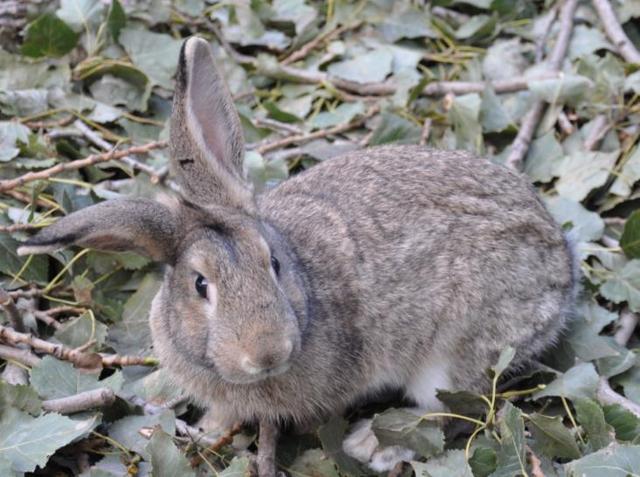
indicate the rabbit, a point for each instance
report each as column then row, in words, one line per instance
column 393, row 267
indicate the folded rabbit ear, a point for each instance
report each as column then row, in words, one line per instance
column 140, row 225
column 207, row 146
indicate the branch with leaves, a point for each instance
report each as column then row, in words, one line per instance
column 91, row 160
column 520, row 145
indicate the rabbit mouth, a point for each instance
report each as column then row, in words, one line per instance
column 263, row 375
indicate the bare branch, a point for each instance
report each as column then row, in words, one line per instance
column 11, row 310
column 426, row 130
column 23, row 356
column 615, row 32
column 626, row 326
column 80, row 402
column 323, row 37
column 606, row 395
column 267, row 449
column 520, row 145
column 302, row 138
column 599, row 127
column 213, row 445
column 77, row 357
column 8, row 184
column 565, row 123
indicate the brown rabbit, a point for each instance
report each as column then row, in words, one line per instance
column 391, row 267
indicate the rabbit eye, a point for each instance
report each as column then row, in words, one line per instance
column 275, row 264
column 201, row 286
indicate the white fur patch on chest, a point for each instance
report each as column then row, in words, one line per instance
column 427, row 380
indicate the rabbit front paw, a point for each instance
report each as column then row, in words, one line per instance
column 362, row 444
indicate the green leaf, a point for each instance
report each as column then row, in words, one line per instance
column 28, row 442
column 400, row 427
column 395, row 129
column 483, row 461
column 132, row 335
column 166, row 458
column 464, row 114
column 48, row 36
column 586, row 226
column 463, row 402
column 79, row 330
column 566, row 89
column 618, row 460
column 341, row 115
column 591, row 417
column 126, row 431
column 372, row 67
column 156, row 54
column 630, row 239
column 553, row 438
column 579, row 381
column 116, row 19
column 511, row 454
column 450, row 464
column 624, row 285
column 625, row 423
column 276, row 113
column 239, row 467
column 80, row 14
column 331, row 436
column 11, row 263
column 313, row 462
column 408, row 22
column 19, row 396
column 584, row 171
column 543, row 157
column 53, row 379
column 504, row 360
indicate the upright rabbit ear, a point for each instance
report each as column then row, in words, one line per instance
column 207, row 147
column 140, row 225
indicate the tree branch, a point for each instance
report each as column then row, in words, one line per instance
column 520, row 145
column 615, row 32
column 606, row 395
column 80, row 402
column 8, row 184
column 302, row 138
column 11, row 310
column 78, row 357
column 23, row 356
column 626, row 326
column 599, row 128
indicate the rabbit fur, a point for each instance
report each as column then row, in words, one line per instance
column 392, row 267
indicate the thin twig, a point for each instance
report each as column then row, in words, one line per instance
column 8, row 184
column 426, row 131
column 626, row 326
column 11, row 310
column 615, row 32
column 606, row 395
column 565, row 123
column 79, row 358
column 520, row 145
column 23, row 356
column 512, row 85
column 100, row 397
column 546, row 28
column 302, row 138
column 599, row 128
column 267, row 443
column 27, row 199
column 323, row 37
column 19, row 227
column 96, row 139
column 200, row 437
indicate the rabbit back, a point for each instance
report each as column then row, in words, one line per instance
column 422, row 258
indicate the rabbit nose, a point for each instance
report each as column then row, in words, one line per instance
column 267, row 359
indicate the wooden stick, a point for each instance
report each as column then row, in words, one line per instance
column 520, row 145
column 606, row 395
column 11, row 310
column 615, row 32
column 80, row 402
column 8, row 184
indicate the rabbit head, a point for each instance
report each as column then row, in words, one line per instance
column 229, row 301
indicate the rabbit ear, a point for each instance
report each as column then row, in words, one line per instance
column 207, row 147
column 139, row 225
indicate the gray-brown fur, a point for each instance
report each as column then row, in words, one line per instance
column 390, row 258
